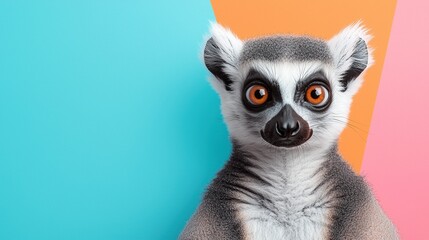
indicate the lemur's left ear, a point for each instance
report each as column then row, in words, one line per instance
column 221, row 55
column 351, row 55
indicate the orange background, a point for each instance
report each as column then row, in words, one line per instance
column 322, row 19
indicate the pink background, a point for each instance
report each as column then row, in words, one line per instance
column 396, row 157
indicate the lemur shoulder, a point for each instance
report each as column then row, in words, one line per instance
column 285, row 100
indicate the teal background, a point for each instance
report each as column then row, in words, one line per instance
column 108, row 126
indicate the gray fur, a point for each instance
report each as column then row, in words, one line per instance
column 360, row 62
column 303, row 192
column 352, row 194
column 218, row 215
column 355, row 203
column 216, row 218
column 292, row 48
column 214, row 62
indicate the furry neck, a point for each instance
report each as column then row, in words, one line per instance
column 286, row 160
column 278, row 185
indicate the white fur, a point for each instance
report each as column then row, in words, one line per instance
column 230, row 46
column 300, row 212
column 291, row 171
column 287, row 74
column 342, row 45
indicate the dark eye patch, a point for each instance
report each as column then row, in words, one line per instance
column 256, row 77
column 301, row 87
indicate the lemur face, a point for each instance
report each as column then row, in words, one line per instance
column 287, row 91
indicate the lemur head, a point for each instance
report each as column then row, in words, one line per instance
column 287, row 92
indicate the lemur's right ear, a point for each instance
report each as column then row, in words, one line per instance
column 221, row 55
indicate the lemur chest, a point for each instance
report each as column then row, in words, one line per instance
column 294, row 213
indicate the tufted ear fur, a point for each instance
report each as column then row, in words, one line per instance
column 221, row 55
column 351, row 55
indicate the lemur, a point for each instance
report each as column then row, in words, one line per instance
column 285, row 100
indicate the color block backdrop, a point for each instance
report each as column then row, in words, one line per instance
column 109, row 129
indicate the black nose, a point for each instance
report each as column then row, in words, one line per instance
column 287, row 124
column 287, row 129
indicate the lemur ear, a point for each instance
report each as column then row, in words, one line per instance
column 221, row 55
column 351, row 55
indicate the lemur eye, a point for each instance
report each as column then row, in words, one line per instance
column 257, row 94
column 317, row 95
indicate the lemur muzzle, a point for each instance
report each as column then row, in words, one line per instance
column 286, row 129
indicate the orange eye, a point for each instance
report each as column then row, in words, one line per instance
column 317, row 95
column 257, row 95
